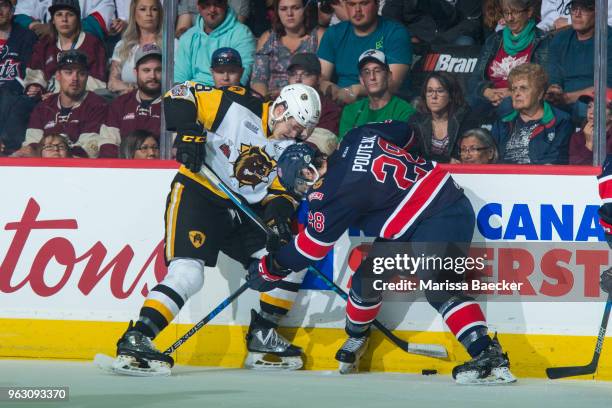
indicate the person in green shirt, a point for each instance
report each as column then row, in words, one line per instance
column 380, row 105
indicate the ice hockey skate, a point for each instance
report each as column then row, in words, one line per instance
column 350, row 353
column 268, row 350
column 490, row 367
column 137, row 356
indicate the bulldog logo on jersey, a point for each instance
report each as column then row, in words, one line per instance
column 197, row 238
column 253, row 166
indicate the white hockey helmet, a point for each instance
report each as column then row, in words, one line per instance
column 303, row 104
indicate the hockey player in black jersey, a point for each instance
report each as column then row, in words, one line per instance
column 240, row 139
column 372, row 183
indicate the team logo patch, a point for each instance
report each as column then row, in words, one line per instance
column 225, row 149
column 197, row 238
column 253, row 166
column 317, row 195
column 180, row 91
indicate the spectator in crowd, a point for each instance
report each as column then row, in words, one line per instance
column 226, row 67
column 66, row 35
column 54, row 145
column 442, row 118
column 343, row 43
column 139, row 144
column 144, row 27
column 477, row 147
column 331, row 12
column 438, row 21
column 305, row 69
column 581, row 142
column 187, row 12
column 95, row 15
column 16, row 45
column 556, row 15
column 518, row 43
column 140, row 108
column 535, row 132
column 216, row 27
column 380, row 105
column 572, row 55
column 73, row 111
column 491, row 17
column 293, row 31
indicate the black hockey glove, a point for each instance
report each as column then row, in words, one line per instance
column 606, row 280
column 264, row 274
column 278, row 215
column 190, row 144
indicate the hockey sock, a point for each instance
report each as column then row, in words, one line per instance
column 160, row 308
column 467, row 322
column 360, row 314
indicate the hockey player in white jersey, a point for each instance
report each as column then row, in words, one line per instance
column 239, row 138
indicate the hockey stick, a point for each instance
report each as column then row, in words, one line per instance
column 562, row 372
column 106, row 362
column 430, row 350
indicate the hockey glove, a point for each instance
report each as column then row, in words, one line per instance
column 278, row 215
column 606, row 280
column 264, row 274
column 190, row 144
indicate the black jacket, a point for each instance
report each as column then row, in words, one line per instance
column 461, row 121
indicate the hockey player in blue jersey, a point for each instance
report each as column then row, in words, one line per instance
column 605, row 215
column 372, row 183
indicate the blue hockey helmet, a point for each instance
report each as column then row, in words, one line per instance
column 292, row 161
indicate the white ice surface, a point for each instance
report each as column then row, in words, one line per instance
column 209, row 387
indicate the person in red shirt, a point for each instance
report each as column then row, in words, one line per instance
column 68, row 35
column 581, row 142
column 139, row 109
column 73, row 111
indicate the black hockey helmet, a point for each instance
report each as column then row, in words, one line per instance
column 294, row 159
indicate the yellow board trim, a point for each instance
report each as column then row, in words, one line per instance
column 223, row 346
column 160, row 307
column 285, row 304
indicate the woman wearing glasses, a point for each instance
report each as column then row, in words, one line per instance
column 442, row 117
column 477, row 147
column 54, row 146
column 518, row 43
column 139, row 144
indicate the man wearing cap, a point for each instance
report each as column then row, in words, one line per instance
column 40, row 73
column 569, row 79
column 380, row 105
column 226, row 67
column 16, row 45
column 342, row 44
column 95, row 15
column 73, row 111
column 139, row 109
column 305, row 68
column 217, row 27
column 581, row 142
